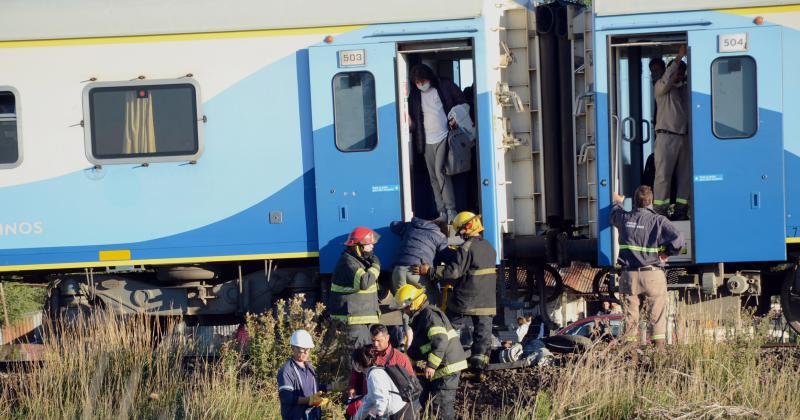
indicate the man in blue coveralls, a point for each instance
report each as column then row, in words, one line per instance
column 297, row 382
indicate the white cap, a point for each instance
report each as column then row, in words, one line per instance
column 302, row 339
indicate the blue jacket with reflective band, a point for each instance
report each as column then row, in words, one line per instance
column 643, row 235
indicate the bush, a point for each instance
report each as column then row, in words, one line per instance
column 21, row 300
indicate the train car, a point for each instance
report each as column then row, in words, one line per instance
column 186, row 158
column 743, row 130
column 199, row 159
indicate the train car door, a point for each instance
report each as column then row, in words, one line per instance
column 356, row 165
column 737, row 144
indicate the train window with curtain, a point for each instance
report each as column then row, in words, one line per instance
column 734, row 97
column 142, row 121
column 355, row 117
column 10, row 153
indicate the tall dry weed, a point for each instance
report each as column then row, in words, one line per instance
column 109, row 366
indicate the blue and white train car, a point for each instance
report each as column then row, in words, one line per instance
column 140, row 135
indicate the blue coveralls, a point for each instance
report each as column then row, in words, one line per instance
column 295, row 382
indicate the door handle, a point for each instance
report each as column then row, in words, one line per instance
column 629, row 122
column 343, row 213
column 646, row 130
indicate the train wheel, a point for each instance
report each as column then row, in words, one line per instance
column 605, row 276
column 790, row 299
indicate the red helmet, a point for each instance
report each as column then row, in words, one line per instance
column 362, row 236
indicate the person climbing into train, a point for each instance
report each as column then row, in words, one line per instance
column 473, row 275
column 436, row 350
column 430, row 104
column 354, row 286
column 646, row 240
column 298, row 390
column 672, row 147
column 422, row 243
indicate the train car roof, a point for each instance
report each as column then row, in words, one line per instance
column 631, row 7
column 62, row 19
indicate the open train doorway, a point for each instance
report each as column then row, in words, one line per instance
column 644, row 138
column 452, row 64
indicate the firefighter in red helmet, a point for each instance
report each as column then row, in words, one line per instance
column 354, row 286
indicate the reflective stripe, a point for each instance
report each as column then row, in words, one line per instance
column 425, row 348
column 340, row 289
column 480, row 311
column 483, row 271
column 357, row 320
column 450, row 369
column 631, row 338
column 659, row 336
column 482, row 357
column 453, row 334
column 682, row 200
column 640, row 248
column 436, row 330
column 357, row 278
column 374, row 271
column 661, row 202
column 434, row 360
column 286, row 388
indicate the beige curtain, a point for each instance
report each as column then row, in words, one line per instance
column 140, row 134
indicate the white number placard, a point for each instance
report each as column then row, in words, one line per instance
column 733, row 43
column 352, row 58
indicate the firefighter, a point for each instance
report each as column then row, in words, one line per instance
column 354, row 286
column 435, row 349
column 473, row 275
column 672, row 146
column 646, row 239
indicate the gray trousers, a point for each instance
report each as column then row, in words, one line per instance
column 435, row 155
column 672, row 153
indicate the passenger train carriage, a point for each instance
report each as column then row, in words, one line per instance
column 187, row 158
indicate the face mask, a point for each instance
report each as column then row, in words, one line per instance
column 423, row 86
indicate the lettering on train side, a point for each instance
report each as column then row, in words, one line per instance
column 21, row 228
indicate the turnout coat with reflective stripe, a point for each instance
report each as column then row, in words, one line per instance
column 436, row 343
column 643, row 235
column 473, row 274
column 354, row 290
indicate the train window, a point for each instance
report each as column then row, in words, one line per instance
column 355, row 116
column 733, row 96
column 10, row 155
column 142, row 122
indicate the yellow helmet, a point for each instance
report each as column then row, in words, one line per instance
column 410, row 295
column 468, row 221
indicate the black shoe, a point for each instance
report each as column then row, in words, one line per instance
column 681, row 213
column 662, row 209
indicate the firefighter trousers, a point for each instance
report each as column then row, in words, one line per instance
column 672, row 154
column 651, row 286
column 481, row 334
column 438, row 396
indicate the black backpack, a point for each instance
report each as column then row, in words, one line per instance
column 408, row 385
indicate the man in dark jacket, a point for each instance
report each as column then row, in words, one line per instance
column 435, row 349
column 354, row 286
column 646, row 240
column 473, row 275
column 421, row 242
column 430, row 103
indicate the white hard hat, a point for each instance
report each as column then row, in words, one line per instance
column 302, row 339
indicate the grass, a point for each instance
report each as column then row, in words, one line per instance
column 21, row 300
column 113, row 367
